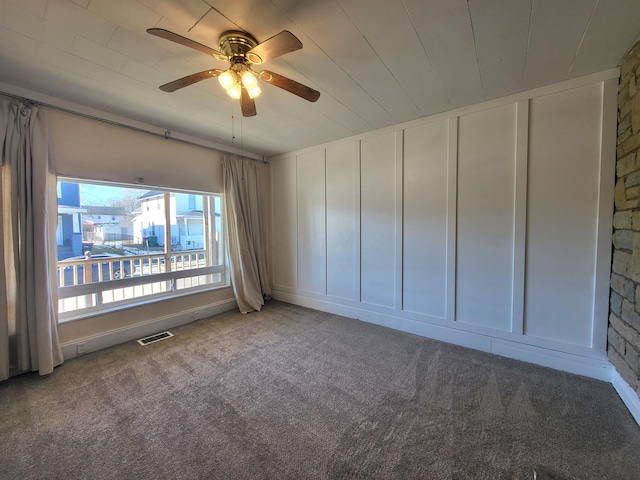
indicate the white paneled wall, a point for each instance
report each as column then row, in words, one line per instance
column 378, row 220
column 486, row 217
column 564, row 171
column 284, row 217
column 479, row 227
column 343, row 221
column 310, row 190
column 427, row 162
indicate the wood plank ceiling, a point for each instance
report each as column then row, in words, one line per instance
column 376, row 63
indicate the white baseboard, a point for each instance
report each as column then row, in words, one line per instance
column 627, row 394
column 600, row 369
column 568, row 362
column 149, row 327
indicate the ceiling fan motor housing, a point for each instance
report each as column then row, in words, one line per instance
column 234, row 45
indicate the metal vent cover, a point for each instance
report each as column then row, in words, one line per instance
column 154, row 338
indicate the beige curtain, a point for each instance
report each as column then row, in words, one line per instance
column 244, row 194
column 28, row 292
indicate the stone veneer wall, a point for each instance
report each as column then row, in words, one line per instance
column 624, row 316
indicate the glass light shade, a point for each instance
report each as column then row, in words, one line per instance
column 248, row 79
column 234, row 91
column 254, row 91
column 227, row 79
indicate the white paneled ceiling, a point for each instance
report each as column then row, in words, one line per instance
column 375, row 62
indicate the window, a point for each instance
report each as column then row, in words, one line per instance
column 147, row 255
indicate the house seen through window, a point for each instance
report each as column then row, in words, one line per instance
column 119, row 245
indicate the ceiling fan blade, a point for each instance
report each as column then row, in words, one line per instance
column 189, row 80
column 283, row 42
column 174, row 37
column 289, row 85
column 247, row 104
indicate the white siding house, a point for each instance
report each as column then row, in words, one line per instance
column 186, row 220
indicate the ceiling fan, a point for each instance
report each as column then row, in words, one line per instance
column 242, row 51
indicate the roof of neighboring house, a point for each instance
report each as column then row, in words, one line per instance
column 69, row 209
column 104, row 210
column 151, row 193
column 190, row 213
column 194, row 213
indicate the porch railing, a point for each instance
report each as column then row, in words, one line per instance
column 90, row 270
column 126, row 278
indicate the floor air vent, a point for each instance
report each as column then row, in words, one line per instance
column 154, row 338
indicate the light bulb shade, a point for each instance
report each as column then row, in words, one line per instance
column 227, row 79
column 234, row 91
column 254, row 91
column 248, row 79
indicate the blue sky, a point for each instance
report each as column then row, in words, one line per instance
column 100, row 194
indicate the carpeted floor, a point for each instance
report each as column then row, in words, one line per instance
column 291, row 393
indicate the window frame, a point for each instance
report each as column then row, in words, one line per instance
column 210, row 233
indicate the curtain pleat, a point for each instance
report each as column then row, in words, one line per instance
column 28, row 299
column 245, row 232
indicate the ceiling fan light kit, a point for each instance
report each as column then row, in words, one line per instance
column 242, row 51
column 239, row 76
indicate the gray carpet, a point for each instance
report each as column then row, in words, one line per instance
column 290, row 393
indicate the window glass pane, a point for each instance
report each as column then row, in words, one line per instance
column 118, row 245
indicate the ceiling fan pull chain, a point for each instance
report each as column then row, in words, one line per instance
column 241, row 138
column 233, row 125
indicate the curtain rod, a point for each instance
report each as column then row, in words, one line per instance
column 166, row 135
